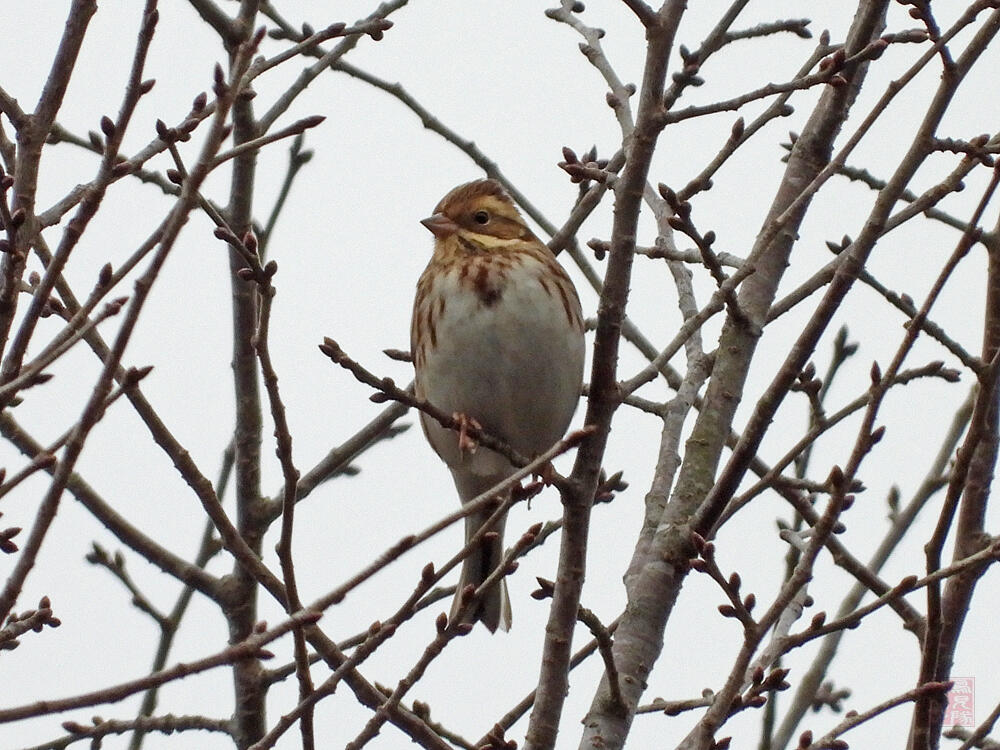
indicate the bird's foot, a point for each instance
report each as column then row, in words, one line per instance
column 466, row 443
column 546, row 473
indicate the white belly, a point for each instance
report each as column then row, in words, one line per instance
column 515, row 366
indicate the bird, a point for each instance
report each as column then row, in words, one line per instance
column 497, row 339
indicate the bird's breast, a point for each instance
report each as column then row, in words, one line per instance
column 485, row 276
column 505, row 346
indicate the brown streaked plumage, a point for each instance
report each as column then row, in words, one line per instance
column 497, row 337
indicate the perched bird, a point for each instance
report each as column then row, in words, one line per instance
column 497, row 339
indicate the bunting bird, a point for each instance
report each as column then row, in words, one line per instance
column 497, row 340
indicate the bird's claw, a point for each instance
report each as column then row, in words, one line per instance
column 546, row 473
column 466, row 443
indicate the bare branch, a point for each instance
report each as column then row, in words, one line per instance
column 250, row 647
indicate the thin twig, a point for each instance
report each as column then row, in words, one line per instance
column 251, row 647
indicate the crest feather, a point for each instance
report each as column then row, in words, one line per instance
column 470, row 191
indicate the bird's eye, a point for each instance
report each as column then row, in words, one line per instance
column 481, row 217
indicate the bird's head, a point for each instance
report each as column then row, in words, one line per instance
column 478, row 217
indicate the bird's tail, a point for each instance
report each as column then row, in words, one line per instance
column 493, row 607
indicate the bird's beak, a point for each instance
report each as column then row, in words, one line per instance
column 440, row 225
